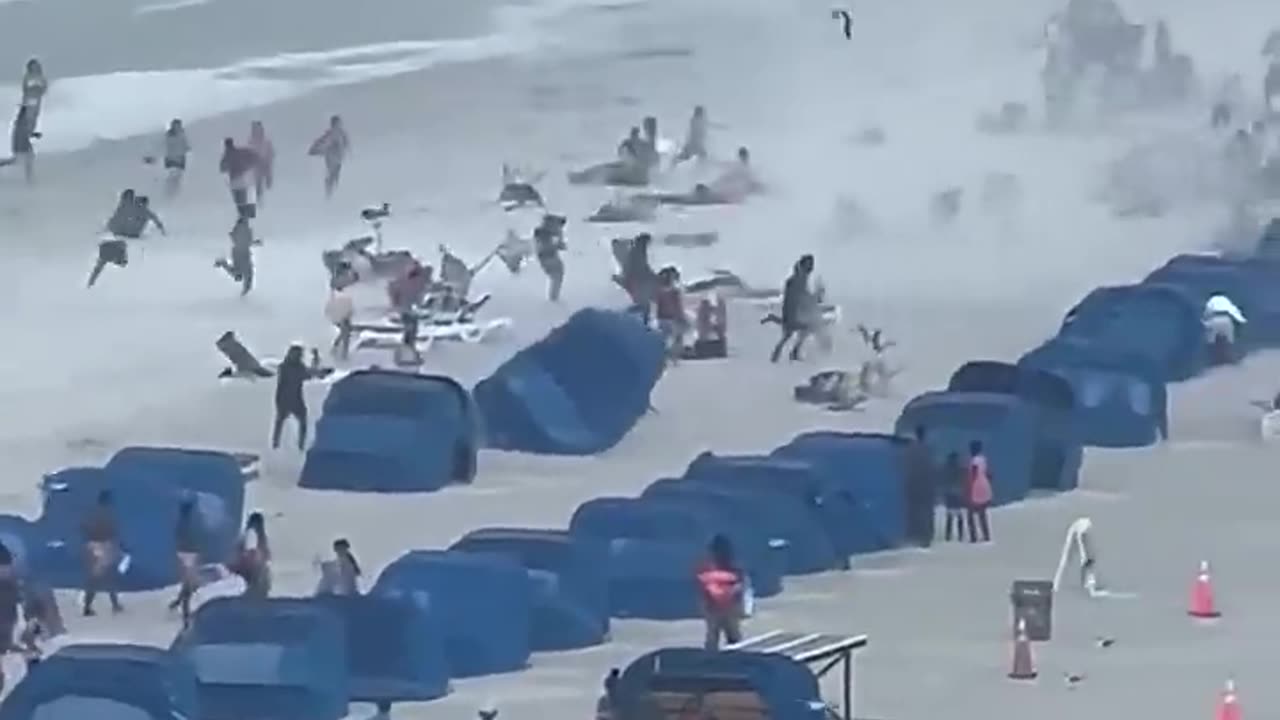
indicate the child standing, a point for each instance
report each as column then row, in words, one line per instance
column 955, row 480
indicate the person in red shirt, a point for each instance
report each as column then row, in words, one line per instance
column 721, row 586
column 673, row 321
column 980, row 493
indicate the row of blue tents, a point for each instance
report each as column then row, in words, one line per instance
column 577, row 391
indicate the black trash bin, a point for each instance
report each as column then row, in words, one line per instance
column 1033, row 603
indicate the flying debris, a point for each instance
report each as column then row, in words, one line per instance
column 846, row 21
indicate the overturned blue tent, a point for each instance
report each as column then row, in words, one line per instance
column 483, row 602
column 105, row 682
column 694, row 679
column 1251, row 284
column 1004, row 424
column 870, row 466
column 570, row 588
column 385, row 431
column 1159, row 322
column 793, row 527
column 840, row 513
column 146, row 514
column 213, row 480
column 1058, row 452
column 654, row 553
column 1120, row 399
column 578, row 391
column 274, row 659
column 395, row 649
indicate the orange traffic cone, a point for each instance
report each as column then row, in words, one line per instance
column 1202, row 602
column 1228, row 708
column 1024, row 667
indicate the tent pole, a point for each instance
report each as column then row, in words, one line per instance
column 848, row 685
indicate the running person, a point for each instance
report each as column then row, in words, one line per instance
column 130, row 219
column 333, row 145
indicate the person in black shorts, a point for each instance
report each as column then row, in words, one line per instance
column 132, row 215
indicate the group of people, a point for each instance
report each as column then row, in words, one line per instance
column 963, row 485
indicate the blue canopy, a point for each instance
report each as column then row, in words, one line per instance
column 386, row 431
column 805, row 545
column 841, row 514
column 274, row 659
column 1005, row 425
column 1058, row 452
column 747, row 524
column 105, row 682
column 395, row 649
column 1159, row 322
column 786, row 688
column 571, row 586
column 654, row 552
column 578, row 391
column 1120, row 399
column 484, row 604
column 870, row 466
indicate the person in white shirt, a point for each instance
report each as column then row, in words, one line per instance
column 1222, row 320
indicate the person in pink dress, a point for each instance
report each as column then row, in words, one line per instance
column 980, row 493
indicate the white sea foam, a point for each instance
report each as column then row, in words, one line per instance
column 171, row 6
column 82, row 110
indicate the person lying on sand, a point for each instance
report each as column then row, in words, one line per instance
column 636, row 208
column 629, row 170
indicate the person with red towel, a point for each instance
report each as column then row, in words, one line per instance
column 980, row 493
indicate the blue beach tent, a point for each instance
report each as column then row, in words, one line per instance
column 483, row 602
column 1161, row 323
column 570, row 582
column 273, row 659
column 105, row 682
column 387, row 432
column 395, row 649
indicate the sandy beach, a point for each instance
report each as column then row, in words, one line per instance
column 132, row 361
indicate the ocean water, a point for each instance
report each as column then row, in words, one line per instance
column 164, row 62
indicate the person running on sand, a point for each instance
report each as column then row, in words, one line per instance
column 34, row 87
column 638, row 277
column 240, row 264
column 340, row 310
column 174, row 149
column 333, row 145
column 980, row 493
column 132, row 215
column 24, row 151
column 264, row 153
column 798, row 308
column 252, row 560
column 186, row 539
column 290, row 401
column 342, row 573
column 548, row 243
column 102, row 553
column 237, row 164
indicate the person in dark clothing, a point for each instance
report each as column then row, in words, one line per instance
column 722, row 586
column 102, row 553
column 955, row 480
column 348, row 569
column 240, row 264
column 638, row 277
column 290, row 403
column 920, row 491
column 187, row 542
column 548, row 243
column 132, row 215
column 797, row 310
column 24, row 130
column 10, row 599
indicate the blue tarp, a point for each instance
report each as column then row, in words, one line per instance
column 105, row 682
column 571, row 585
column 146, row 513
column 1159, row 322
column 213, row 479
column 385, row 431
column 748, row 525
column 578, row 391
column 871, row 466
column 807, row 547
column 654, row 553
column 1005, row 426
column 1058, row 452
column 484, row 603
column 787, row 688
column 1120, row 399
column 395, row 649
column 841, row 515
column 274, row 659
